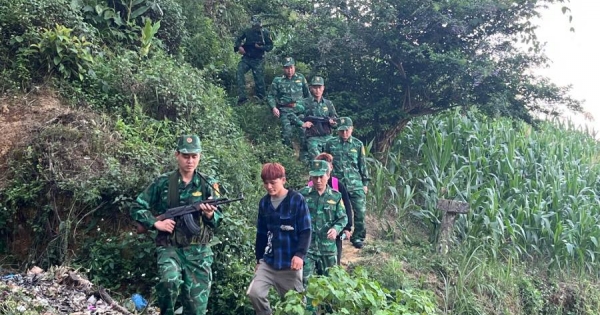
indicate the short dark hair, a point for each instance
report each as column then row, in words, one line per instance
column 271, row 171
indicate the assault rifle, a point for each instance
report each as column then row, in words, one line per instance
column 316, row 119
column 290, row 104
column 321, row 126
column 187, row 209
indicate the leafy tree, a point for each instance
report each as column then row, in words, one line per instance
column 390, row 60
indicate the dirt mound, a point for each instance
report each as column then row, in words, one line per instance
column 21, row 114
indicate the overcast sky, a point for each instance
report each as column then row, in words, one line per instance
column 575, row 55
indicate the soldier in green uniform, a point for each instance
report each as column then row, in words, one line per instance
column 252, row 45
column 285, row 97
column 350, row 167
column 328, row 217
column 184, row 259
column 317, row 109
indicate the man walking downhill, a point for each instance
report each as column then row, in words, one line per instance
column 252, row 45
column 317, row 109
column 328, row 217
column 184, row 258
column 349, row 165
column 283, row 236
column 285, row 97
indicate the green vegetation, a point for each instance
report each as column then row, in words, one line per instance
column 131, row 75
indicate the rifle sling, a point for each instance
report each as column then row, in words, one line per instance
column 173, row 200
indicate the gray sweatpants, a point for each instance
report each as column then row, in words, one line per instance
column 266, row 277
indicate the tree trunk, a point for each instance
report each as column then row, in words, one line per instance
column 386, row 138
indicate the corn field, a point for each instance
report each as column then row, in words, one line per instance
column 531, row 190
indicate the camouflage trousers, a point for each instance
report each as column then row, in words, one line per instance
column 258, row 72
column 314, row 146
column 287, row 129
column 185, row 271
column 358, row 202
column 318, row 264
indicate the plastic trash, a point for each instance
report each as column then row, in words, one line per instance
column 139, row 301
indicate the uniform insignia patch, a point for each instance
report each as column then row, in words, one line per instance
column 197, row 194
column 353, row 150
column 342, row 120
column 325, row 109
column 215, row 187
column 331, row 202
column 189, row 140
column 298, row 81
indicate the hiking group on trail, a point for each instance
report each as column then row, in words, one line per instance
column 298, row 233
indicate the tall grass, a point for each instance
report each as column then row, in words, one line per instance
column 531, row 191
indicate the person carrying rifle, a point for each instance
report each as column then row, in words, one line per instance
column 286, row 96
column 319, row 119
column 252, row 45
column 184, row 258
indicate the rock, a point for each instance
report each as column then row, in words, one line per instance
column 5, row 109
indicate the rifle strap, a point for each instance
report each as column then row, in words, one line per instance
column 173, row 200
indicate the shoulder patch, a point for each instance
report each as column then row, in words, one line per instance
column 331, row 202
column 197, row 194
column 353, row 150
column 215, row 187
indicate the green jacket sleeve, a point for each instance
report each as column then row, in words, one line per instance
column 268, row 46
column 341, row 220
column 148, row 199
column 362, row 166
column 214, row 191
column 238, row 41
column 272, row 95
column 305, row 91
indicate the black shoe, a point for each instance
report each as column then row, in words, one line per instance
column 358, row 244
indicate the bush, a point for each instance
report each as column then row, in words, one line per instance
column 172, row 30
column 341, row 294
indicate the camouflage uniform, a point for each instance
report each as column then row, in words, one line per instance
column 184, row 260
column 350, row 167
column 326, row 211
column 253, row 58
column 283, row 92
column 316, row 136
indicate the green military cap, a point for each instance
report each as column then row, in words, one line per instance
column 318, row 168
column 288, row 61
column 344, row 123
column 317, row 80
column 189, row 144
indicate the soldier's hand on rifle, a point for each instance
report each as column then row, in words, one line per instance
column 307, row 124
column 347, row 233
column 332, row 122
column 166, row 225
column 366, row 189
column 276, row 112
column 257, row 45
column 207, row 210
column 332, row 234
column 241, row 50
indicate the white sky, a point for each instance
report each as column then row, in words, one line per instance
column 575, row 55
